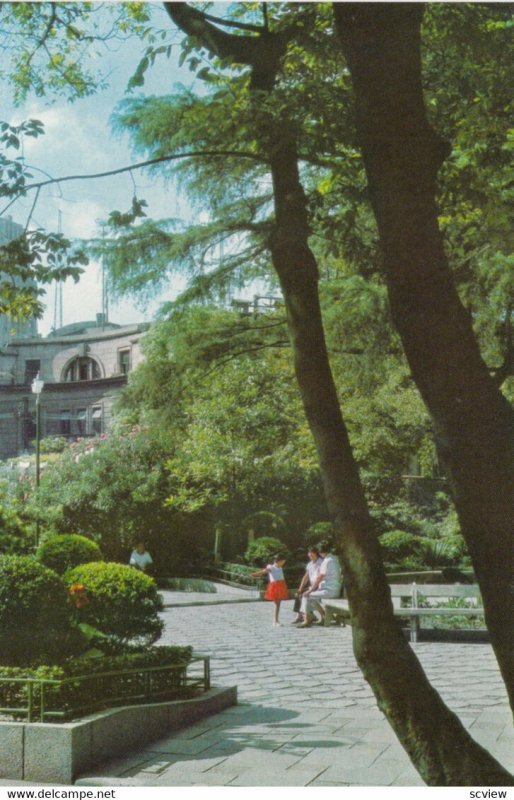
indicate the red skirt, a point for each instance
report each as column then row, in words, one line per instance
column 276, row 590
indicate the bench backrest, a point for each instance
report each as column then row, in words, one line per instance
column 401, row 590
column 411, row 591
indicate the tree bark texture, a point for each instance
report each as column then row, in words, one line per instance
column 438, row 745
column 473, row 422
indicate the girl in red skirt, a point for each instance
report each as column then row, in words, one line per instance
column 277, row 588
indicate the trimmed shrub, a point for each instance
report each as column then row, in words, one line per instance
column 262, row 549
column 61, row 552
column 35, row 615
column 118, row 600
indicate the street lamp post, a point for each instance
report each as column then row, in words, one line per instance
column 37, row 388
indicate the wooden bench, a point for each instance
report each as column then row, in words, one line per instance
column 407, row 603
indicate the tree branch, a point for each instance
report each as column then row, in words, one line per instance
column 140, row 165
column 225, row 45
column 243, row 26
column 221, row 362
column 262, row 53
column 44, row 36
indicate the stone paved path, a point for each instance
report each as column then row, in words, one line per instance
column 305, row 717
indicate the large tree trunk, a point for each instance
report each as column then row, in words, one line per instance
column 439, row 747
column 474, row 424
column 437, row 743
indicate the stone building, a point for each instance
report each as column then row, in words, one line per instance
column 83, row 366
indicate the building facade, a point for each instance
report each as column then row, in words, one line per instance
column 83, row 367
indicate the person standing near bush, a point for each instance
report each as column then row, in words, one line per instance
column 277, row 588
column 141, row 558
column 311, row 571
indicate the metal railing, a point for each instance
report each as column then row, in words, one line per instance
column 47, row 699
column 232, row 577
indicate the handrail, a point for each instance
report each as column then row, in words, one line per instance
column 37, row 702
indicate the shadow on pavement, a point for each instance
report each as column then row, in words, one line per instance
column 255, row 732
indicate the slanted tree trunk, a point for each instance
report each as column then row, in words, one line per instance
column 437, row 743
column 474, row 424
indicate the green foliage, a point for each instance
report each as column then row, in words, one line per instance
column 34, row 257
column 86, row 693
column 112, row 490
column 261, row 523
column 50, row 49
column 35, row 615
column 238, row 573
column 262, row 549
column 319, row 532
column 468, row 57
column 221, row 382
column 399, row 546
column 447, row 551
column 14, row 534
column 53, row 444
column 122, row 602
column 62, row 552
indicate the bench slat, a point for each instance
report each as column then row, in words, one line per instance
column 412, row 593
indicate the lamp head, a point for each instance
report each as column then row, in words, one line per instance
column 37, row 385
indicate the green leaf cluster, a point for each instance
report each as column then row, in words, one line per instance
column 36, row 621
column 62, row 552
column 123, row 602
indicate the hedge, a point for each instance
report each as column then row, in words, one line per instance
column 36, row 619
column 102, row 691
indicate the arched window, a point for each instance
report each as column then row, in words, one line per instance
column 82, row 369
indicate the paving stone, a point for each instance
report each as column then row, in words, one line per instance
column 409, row 778
column 252, row 757
column 185, row 777
column 291, row 777
column 182, row 746
column 299, row 723
column 382, row 774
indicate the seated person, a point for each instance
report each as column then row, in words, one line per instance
column 327, row 584
column 311, row 570
column 141, row 558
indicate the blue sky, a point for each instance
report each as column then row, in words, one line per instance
column 78, row 139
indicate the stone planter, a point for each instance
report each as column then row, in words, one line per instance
column 58, row 752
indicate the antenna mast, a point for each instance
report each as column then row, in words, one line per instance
column 58, row 285
column 105, row 294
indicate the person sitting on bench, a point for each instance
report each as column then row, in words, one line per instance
column 326, row 584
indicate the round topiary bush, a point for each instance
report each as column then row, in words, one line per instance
column 119, row 601
column 35, row 615
column 61, row 552
column 262, row 549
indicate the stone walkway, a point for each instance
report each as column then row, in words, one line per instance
column 305, row 717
